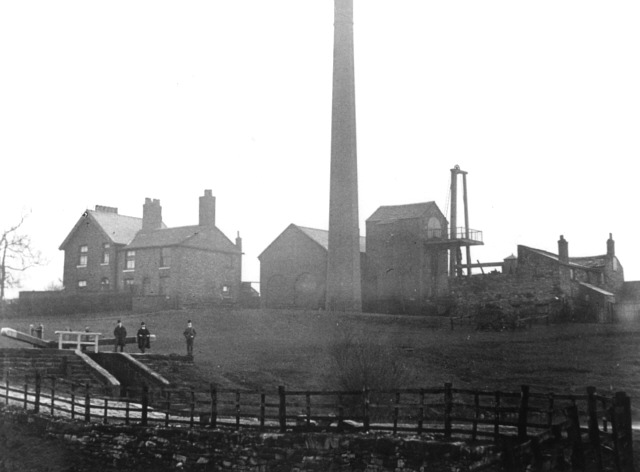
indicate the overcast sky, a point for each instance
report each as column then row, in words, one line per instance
column 112, row 102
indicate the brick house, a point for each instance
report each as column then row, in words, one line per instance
column 293, row 268
column 106, row 251
column 407, row 257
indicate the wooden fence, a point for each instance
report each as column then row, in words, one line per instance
column 445, row 412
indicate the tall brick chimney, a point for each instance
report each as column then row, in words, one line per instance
column 563, row 250
column 344, row 280
column 151, row 215
column 611, row 246
column 207, row 209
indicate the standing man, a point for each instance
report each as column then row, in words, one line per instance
column 120, row 333
column 189, row 335
column 144, row 338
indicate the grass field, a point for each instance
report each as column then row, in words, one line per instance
column 266, row 348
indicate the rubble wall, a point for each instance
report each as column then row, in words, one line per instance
column 159, row 449
column 524, row 293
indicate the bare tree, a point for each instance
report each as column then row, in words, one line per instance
column 55, row 286
column 16, row 256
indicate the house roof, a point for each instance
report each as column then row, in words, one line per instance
column 202, row 237
column 403, row 212
column 120, row 229
column 593, row 262
column 319, row 236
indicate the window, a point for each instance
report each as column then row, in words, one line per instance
column 130, row 260
column 434, row 228
column 104, row 283
column 105, row 254
column 128, row 284
column 82, row 256
column 82, row 284
column 165, row 257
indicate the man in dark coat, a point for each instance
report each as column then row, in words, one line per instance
column 189, row 335
column 144, row 338
column 120, row 333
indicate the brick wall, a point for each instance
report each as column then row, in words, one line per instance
column 202, row 274
column 91, row 235
column 283, row 263
column 47, row 303
column 195, row 275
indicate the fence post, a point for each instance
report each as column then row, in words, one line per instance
column 340, row 412
column 496, row 417
column 476, row 417
column 87, row 405
column 395, row 413
column 237, row 409
column 575, row 438
column 127, row 407
column 594, row 431
column 214, row 405
column 53, row 393
column 365, row 409
column 145, row 404
column 38, row 385
column 6, row 389
column 421, row 415
column 262, row 408
column 192, row 407
column 523, row 413
column 73, row 401
column 26, row 388
column 550, row 410
column 621, row 430
column 282, row 409
column 106, row 411
column 448, row 406
column 308, row 407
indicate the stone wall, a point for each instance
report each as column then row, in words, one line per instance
column 524, row 294
column 160, row 449
column 24, row 362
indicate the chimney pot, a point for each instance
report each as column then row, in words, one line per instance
column 207, row 214
column 151, row 215
column 611, row 246
column 563, row 250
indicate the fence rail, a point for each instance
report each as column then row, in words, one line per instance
column 445, row 411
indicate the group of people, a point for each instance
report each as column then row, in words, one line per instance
column 144, row 337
